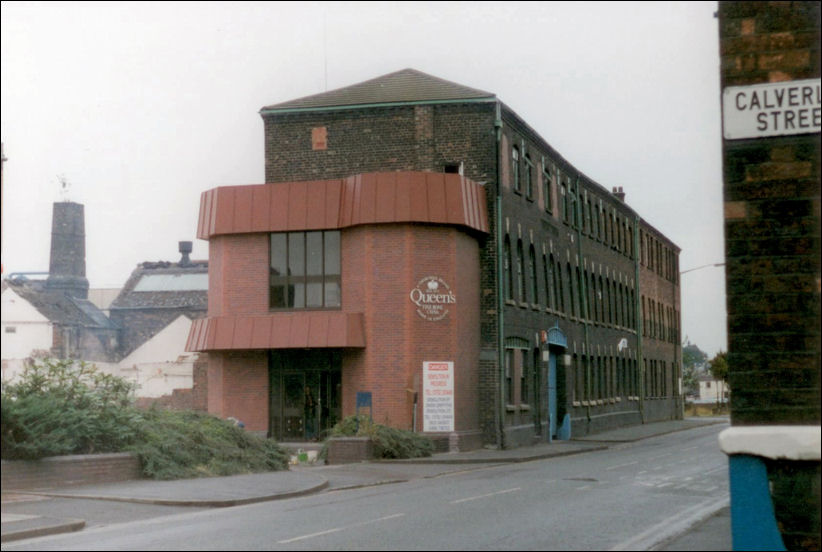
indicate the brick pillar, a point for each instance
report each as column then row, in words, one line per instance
column 772, row 244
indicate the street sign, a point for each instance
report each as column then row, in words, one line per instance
column 772, row 109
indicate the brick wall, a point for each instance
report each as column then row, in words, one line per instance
column 62, row 471
column 381, row 265
column 772, row 232
column 238, row 387
column 772, row 243
column 384, row 139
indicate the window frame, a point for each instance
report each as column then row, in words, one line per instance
column 291, row 291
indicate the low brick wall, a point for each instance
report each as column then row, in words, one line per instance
column 64, row 471
column 348, row 450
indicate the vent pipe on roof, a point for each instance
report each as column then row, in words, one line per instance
column 185, row 249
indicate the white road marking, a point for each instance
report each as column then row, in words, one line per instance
column 622, row 465
column 674, row 525
column 485, row 495
column 337, row 529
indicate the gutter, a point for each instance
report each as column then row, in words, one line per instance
column 640, row 322
column 583, row 292
column 499, row 413
column 275, row 111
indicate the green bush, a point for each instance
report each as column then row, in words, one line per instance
column 60, row 407
column 183, row 444
column 388, row 442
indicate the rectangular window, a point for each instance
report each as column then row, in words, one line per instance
column 305, row 270
column 547, row 190
column 509, row 377
column 529, row 175
column 524, row 377
column 515, row 169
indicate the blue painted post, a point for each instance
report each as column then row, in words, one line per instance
column 753, row 522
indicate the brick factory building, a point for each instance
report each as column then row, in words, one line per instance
column 400, row 217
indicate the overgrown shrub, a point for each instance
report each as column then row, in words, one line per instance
column 62, row 407
column 388, row 442
column 183, row 444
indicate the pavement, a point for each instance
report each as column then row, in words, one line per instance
column 710, row 531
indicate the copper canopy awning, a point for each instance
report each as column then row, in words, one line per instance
column 280, row 330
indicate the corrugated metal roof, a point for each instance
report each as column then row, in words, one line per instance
column 405, row 86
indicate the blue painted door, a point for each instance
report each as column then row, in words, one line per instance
column 552, row 393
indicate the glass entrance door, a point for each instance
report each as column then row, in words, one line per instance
column 305, row 393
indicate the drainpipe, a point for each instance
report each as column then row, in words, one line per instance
column 640, row 321
column 583, row 292
column 500, row 411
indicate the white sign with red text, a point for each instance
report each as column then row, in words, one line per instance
column 438, row 396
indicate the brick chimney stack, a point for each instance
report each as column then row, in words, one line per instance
column 620, row 195
column 67, row 264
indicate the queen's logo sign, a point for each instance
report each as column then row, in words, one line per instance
column 432, row 297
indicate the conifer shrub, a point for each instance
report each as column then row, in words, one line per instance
column 183, row 444
column 388, row 442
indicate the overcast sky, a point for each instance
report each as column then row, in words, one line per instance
column 141, row 107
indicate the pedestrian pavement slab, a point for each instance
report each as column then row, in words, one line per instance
column 207, row 491
column 643, row 431
column 21, row 526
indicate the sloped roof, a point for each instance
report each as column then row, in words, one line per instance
column 405, row 86
column 167, row 286
column 60, row 308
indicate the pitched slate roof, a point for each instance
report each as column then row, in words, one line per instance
column 61, row 308
column 405, row 86
column 165, row 285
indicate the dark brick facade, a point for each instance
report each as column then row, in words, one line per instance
column 615, row 269
column 772, row 242
column 772, row 232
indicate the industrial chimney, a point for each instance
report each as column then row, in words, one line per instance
column 67, row 264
